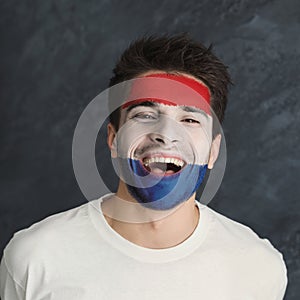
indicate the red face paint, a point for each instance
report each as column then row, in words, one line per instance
column 169, row 89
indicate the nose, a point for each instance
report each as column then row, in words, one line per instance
column 165, row 132
column 160, row 139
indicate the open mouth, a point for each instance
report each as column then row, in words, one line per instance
column 163, row 165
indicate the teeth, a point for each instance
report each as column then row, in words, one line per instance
column 178, row 162
column 166, row 160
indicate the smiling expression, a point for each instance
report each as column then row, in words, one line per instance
column 164, row 138
column 162, row 148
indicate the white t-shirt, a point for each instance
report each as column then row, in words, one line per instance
column 77, row 255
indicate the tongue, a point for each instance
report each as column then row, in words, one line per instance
column 160, row 169
column 161, row 172
column 170, row 172
column 157, row 171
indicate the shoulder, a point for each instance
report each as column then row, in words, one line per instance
column 252, row 252
column 231, row 231
column 31, row 246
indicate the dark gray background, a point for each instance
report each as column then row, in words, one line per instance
column 56, row 56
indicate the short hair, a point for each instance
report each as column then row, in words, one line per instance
column 171, row 54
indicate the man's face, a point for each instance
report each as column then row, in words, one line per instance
column 164, row 138
column 163, row 144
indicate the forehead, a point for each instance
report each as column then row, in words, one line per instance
column 158, row 73
column 168, row 89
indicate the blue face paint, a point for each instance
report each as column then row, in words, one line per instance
column 160, row 192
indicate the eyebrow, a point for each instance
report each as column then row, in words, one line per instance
column 155, row 104
column 193, row 109
column 145, row 103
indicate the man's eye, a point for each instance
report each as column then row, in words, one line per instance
column 144, row 116
column 191, row 121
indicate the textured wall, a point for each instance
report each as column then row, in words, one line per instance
column 57, row 55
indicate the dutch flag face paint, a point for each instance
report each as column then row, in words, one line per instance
column 162, row 147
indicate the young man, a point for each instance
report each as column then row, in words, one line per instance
column 151, row 239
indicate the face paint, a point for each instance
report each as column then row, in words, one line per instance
column 166, row 191
column 162, row 152
column 169, row 89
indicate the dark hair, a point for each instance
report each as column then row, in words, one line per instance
column 177, row 53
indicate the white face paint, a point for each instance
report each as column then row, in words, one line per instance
column 153, row 132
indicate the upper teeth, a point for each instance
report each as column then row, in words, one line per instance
column 167, row 160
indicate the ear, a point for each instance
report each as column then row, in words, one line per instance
column 214, row 151
column 111, row 141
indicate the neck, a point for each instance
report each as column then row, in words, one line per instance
column 149, row 228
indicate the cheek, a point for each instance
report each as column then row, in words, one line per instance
column 201, row 143
column 129, row 137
